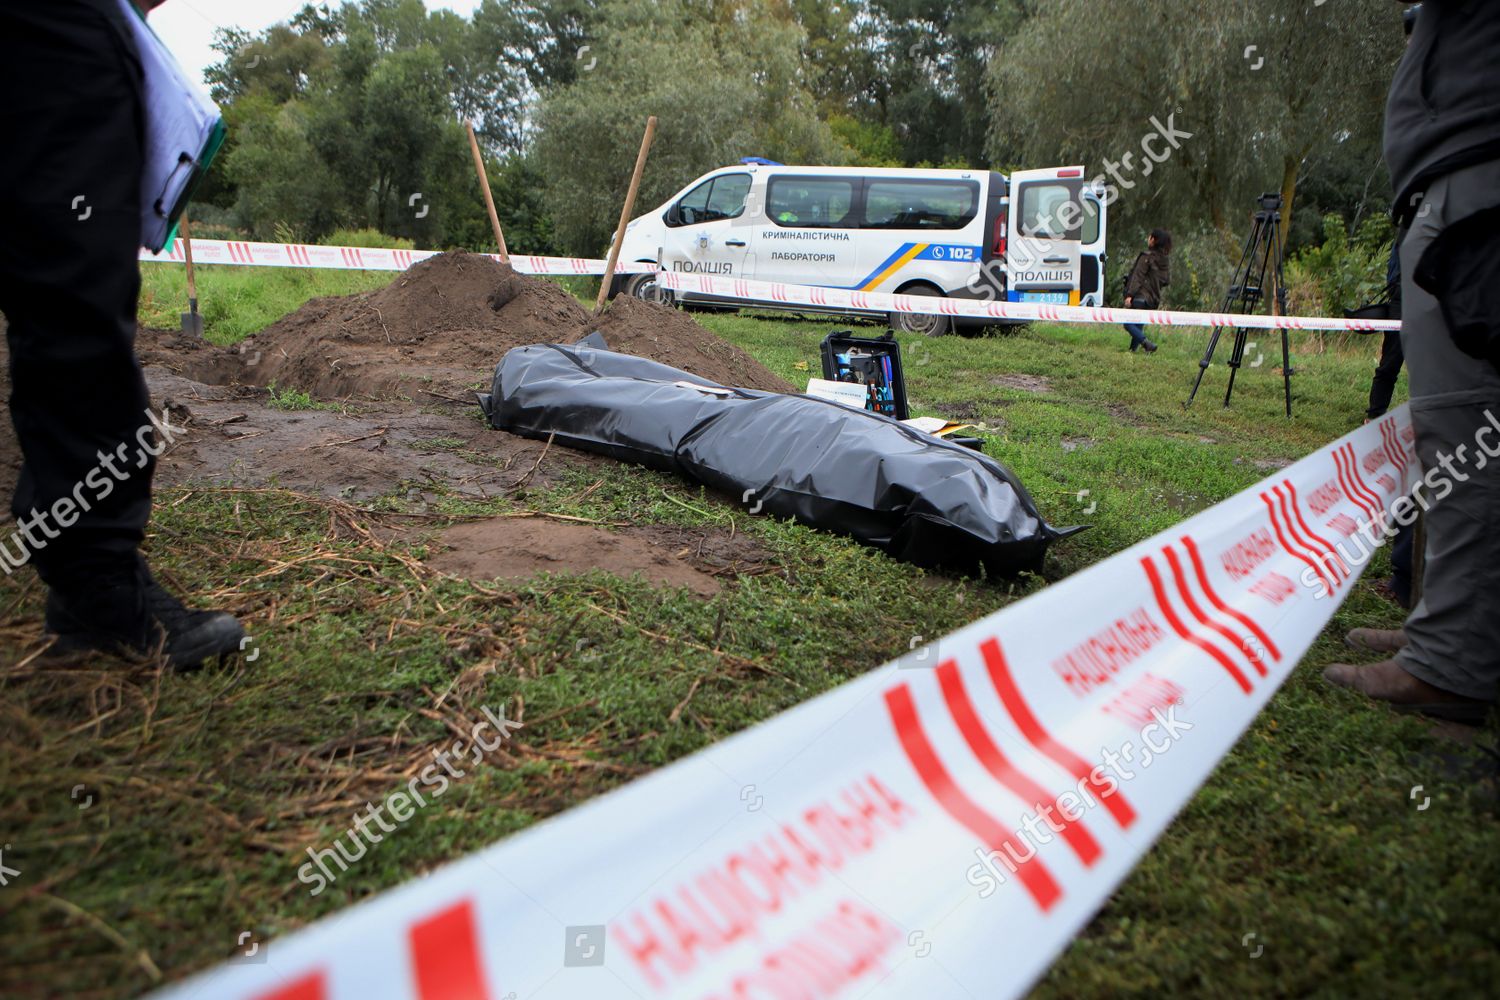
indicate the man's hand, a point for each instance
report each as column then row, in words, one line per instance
column 1128, row 301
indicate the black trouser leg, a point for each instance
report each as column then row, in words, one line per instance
column 1401, row 560
column 70, row 176
column 1386, row 373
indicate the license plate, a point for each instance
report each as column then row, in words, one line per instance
column 1050, row 298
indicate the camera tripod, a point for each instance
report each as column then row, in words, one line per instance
column 1260, row 260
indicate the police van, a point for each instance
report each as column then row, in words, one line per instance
column 1030, row 236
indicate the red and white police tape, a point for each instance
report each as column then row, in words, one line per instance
column 887, row 839
column 837, row 299
column 818, row 297
column 361, row 258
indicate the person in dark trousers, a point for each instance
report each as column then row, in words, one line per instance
column 1382, row 387
column 1442, row 144
column 74, row 123
column 1151, row 273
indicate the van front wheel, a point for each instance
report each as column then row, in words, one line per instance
column 645, row 286
column 926, row 324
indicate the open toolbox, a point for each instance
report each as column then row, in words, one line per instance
column 875, row 363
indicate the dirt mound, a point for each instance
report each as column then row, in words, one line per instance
column 439, row 329
column 649, row 330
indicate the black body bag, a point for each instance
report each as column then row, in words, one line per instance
column 917, row 497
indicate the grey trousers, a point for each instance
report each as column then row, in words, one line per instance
column 1454, row 631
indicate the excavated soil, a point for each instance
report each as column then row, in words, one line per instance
column 394, row 372
column 232, row 438
column 437, row 332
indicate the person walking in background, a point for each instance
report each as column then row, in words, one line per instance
column 74, row 122
column 1442, row 144
column 1151, row 273
column 1382, row 387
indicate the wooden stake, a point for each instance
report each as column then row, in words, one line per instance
column 489, row 199
column 635, row 184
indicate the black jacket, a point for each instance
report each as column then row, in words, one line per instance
column 1443, row 112
column 1152, row 273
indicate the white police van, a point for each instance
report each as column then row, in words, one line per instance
column 1032, row 236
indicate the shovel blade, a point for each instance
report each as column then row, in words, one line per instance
column 192, row 323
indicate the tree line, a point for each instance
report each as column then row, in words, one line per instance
column 351, row 116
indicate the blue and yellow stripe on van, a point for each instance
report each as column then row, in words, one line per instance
column 904, row 255
column 909, row 252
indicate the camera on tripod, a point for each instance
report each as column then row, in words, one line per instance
column 1256, row 277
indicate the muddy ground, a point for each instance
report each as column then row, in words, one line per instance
column 391, row 374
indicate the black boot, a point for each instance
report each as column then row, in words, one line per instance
column 125, row 612
column 1149, row 346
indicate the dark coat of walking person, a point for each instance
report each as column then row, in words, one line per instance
column 1442, row 145
column 74, row 121
column 1145, row 285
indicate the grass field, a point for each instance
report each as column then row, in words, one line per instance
column 207, row 788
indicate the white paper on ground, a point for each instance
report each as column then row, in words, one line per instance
column 849, row 393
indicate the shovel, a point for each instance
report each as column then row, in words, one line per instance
column 192, row 323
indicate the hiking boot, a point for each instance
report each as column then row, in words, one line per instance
column 133, row 616
column 1387, row 681
column 1149, row 346
column 1376, row 640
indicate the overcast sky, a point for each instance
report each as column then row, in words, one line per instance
column 187, row 26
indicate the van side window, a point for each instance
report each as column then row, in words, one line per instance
column 918, row 204
column 717, row 198
column 1090, row 220
column 811, row 202
column 727, row 199
column 1048, row 210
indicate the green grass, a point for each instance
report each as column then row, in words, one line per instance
column 295, row 399
column 1112, row 422
column 238, row 301
column 210, row 786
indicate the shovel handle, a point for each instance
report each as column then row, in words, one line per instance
column 187, row 253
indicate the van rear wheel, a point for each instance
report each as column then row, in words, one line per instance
column 926, row 324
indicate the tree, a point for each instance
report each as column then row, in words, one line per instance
column 839, row 50
column 1262, row 88
column 279, row 178
column 932, row 56
column 743, row 91
column 351, row 117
